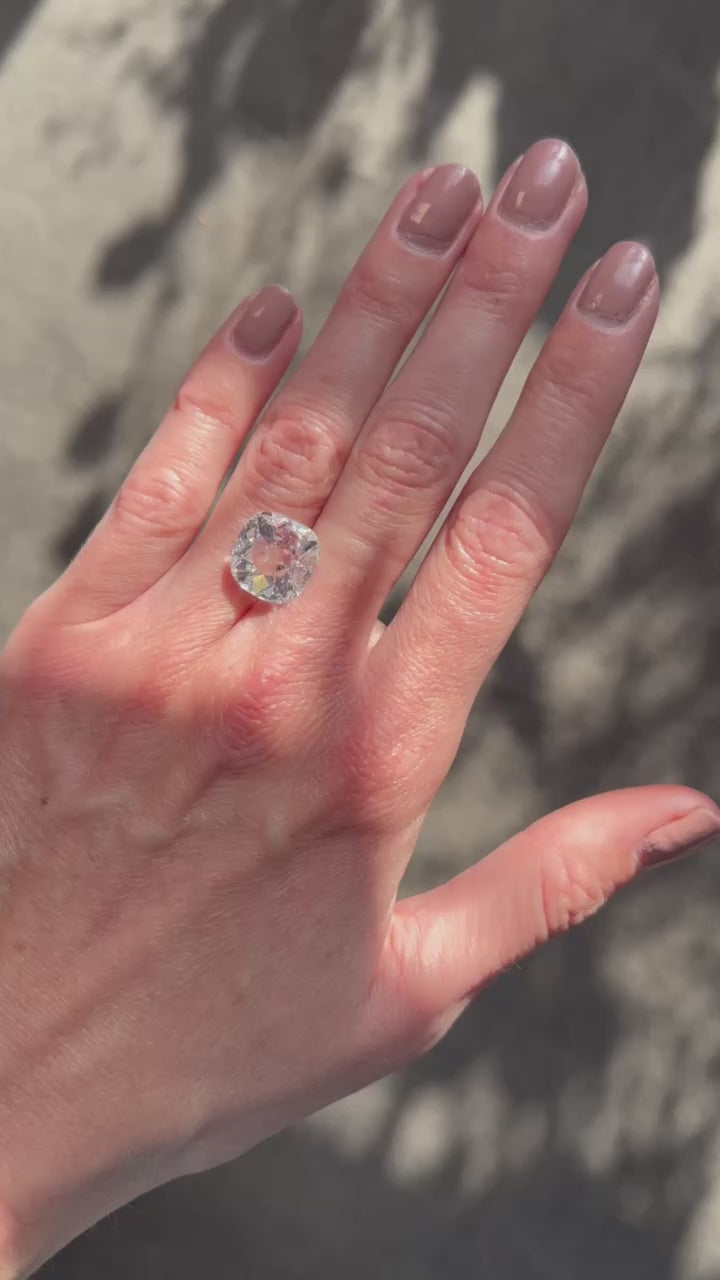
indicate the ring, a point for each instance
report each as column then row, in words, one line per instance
column 274, row 558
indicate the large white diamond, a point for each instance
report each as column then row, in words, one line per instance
column 274, row 558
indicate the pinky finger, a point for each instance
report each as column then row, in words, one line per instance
column 165, row 499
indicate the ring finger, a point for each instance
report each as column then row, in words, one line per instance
column 297, row 453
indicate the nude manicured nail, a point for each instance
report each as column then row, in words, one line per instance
column 618, row 284
column 679, row 838
column 541, row 186
column 264, row 321
column 441, row 208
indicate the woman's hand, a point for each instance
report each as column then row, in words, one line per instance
column 207, row 805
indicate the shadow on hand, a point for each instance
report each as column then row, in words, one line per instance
column 297, row 1206
column 633, row 88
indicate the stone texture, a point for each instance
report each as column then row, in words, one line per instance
column 274, row 558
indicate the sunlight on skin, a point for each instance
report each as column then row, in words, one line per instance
column 306, row 251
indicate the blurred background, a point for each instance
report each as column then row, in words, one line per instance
column 158, row 160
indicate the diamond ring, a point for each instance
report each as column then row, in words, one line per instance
column 274, row 558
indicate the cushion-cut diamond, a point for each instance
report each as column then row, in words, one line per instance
column 274, row 558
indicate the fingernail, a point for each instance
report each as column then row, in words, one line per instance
column 541, row 186
column 441, row 208
column 618, row 284
column 262, row 324
column 679, row 838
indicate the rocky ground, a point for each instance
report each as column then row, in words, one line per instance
column 158, row 161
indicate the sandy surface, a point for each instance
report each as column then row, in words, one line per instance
column 157, row 161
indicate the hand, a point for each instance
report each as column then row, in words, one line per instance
column 207, row 804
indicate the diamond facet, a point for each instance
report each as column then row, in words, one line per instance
column 274, row 558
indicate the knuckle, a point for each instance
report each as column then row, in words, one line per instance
column 500, row 533
column 413, row 449
column 292, row 448
column 570, row 891
column 381, row 296
column 253, row 719
column 493, row 284
column 269, row 706
column 380, row 776
column 563, row 383
column 160, row 501
column 204, row 402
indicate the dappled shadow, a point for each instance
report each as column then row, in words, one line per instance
column 297, row 1207
column 297, row 56
column 14, row 15
column 633, row 87
column 70, row 538
column 95, row 434
column 660, row 595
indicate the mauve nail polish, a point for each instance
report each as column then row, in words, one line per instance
column 541, row 186
column 679, row 838
column 266, row 318
column 440, row 209
column 618, row 284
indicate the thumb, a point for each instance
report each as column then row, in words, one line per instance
column 445, row 945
